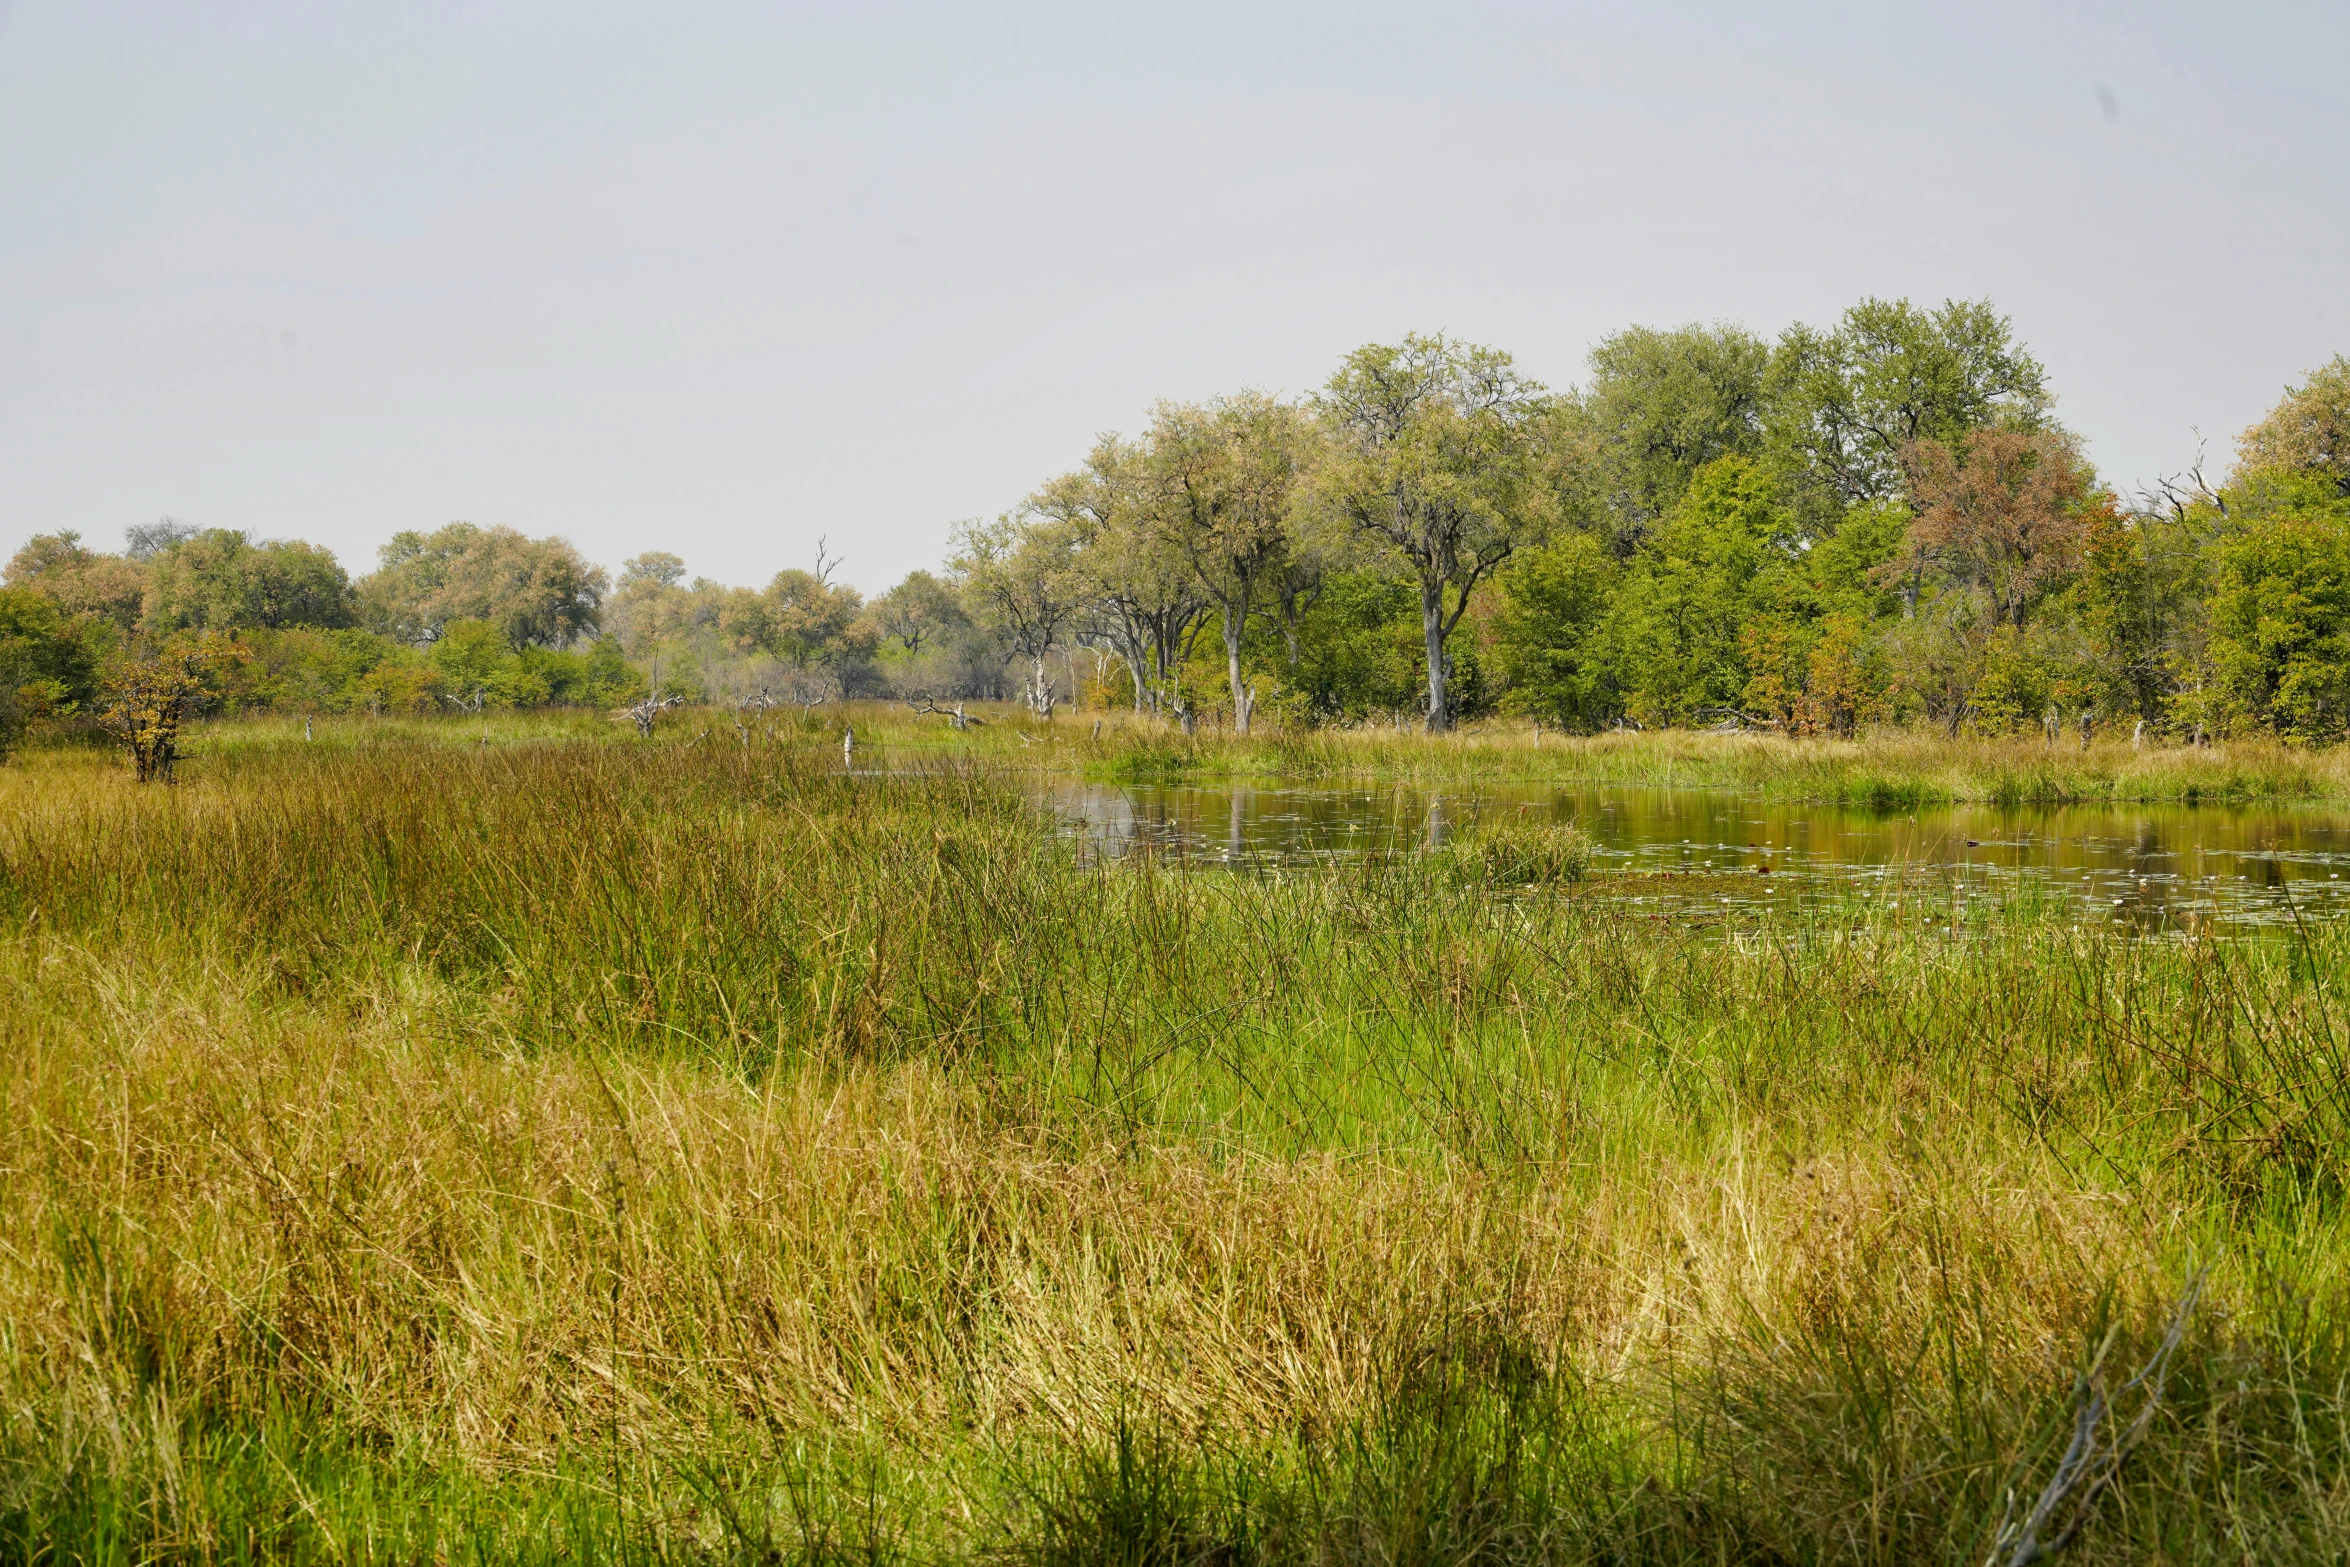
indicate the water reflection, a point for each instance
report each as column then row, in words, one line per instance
column 2155, row 867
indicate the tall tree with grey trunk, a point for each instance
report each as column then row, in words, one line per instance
column 1221, row 479
column 1139, row 593
column 1433, row 452
column 1019, row 575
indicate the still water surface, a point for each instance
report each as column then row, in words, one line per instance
column 2156, row 867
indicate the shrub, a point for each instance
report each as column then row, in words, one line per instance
column 47, row 668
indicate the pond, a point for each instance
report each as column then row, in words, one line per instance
column 2156, row 867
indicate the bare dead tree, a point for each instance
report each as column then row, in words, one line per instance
column 749, row 711
column 811, row 688
column 1725, row 720
column 652, row 707
column 2096, row 1453
column 924, row 707
column 2176, row 494
column 473, row 705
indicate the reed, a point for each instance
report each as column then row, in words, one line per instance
column 421, row 1149
column 1895, row 769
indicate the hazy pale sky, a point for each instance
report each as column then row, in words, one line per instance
column 718, row 279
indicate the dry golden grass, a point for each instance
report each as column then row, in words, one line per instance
column 488, row 1256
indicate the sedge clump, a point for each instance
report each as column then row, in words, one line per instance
column 1520, row 853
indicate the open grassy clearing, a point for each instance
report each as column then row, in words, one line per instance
column 416, row 1150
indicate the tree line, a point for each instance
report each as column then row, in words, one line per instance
column 463, row 614
column 1878, row 522
column 1881, row 521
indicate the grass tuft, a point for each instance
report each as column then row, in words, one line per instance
column 1514, row 851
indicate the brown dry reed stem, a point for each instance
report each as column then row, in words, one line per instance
column 417, row 1150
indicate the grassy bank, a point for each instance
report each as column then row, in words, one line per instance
column 419, row 1151
column 1893, row 770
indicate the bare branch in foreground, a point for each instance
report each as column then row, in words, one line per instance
column 2093, row 1458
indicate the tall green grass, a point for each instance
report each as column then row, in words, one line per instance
column 1892, row 770
column 442, row 1151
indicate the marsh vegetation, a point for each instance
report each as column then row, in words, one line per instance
column 567, row 1147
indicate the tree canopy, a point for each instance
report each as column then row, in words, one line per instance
column 1875, row 520
column 1432, row 453
column 537, row 592
column 218, row 581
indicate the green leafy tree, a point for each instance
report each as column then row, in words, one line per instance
column 48, row 668
column 919, row 611
column 1998, row 531
column 304, row 669
column 2308, row 432
column 1433, row 451
column 1220, row 479
column 2280, row 608
column 2121, row 614
column 537, row 592
column 473, row 657
column 219, row 581
column 1550, row 633
column 1678, row 625
column 79, row 580
column 2016, row 682
column 1933, row 659
column 1358, row 654
column 1846, row 566
column 1659, row 406
column 1775, row 652
column 597, row 675
column 1845, row 407
column 814, row 623
column 939, row 650
column 1843, row 679
column 1810, row 641
column 1020, row 577
column 650, row 604
column 1138, row 590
